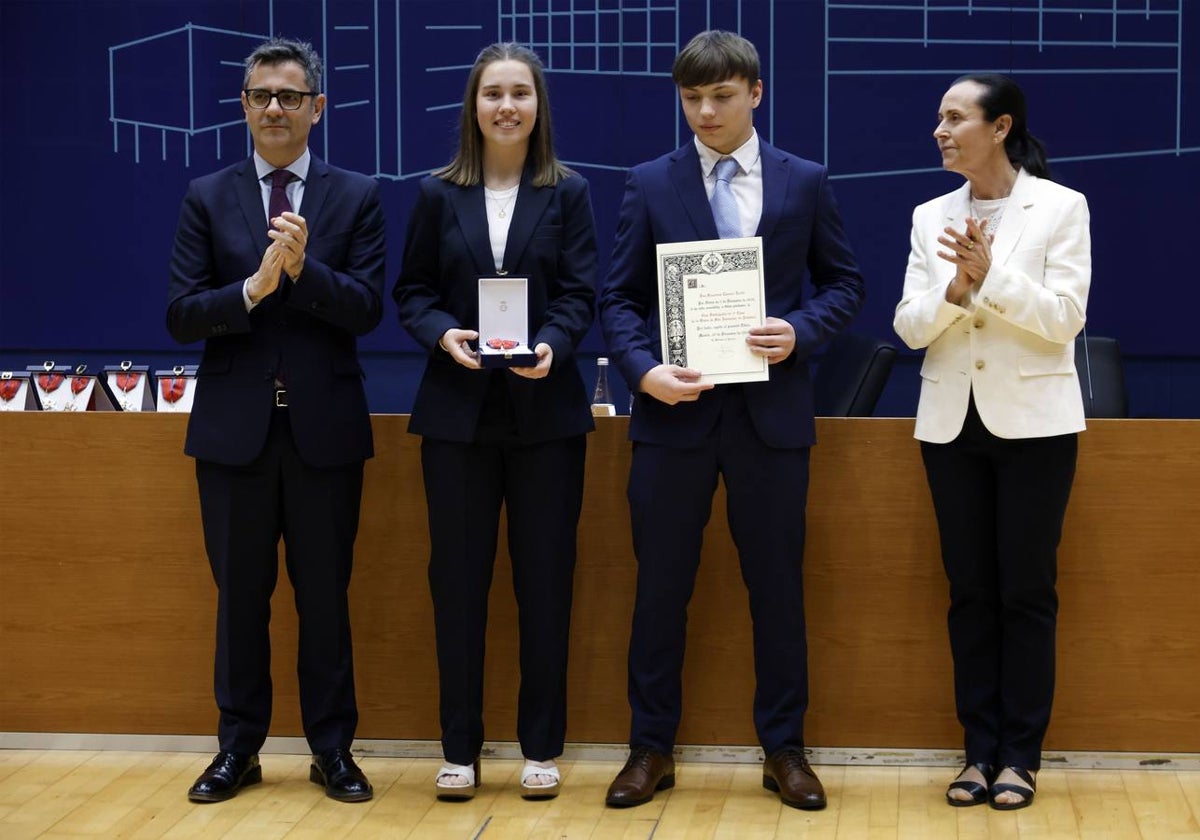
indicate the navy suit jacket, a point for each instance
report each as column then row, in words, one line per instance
column 305, row 332
column 802, row 234
column 551, row 240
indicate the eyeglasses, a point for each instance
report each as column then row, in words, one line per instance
column 289, row 100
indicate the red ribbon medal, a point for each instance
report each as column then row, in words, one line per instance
column 78, row 383
column 128, row 381
column 501, row 343
column 9, row 388
column 50, row 381
column 172, row 389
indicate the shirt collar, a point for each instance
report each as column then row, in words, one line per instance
column 746, row 155
column 298, row 167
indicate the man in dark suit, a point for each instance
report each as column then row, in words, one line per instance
column 756, row 435
column 278, row 265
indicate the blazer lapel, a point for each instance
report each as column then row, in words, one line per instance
column 530, row 204
column 689, row 185
column 1012, row 224
column 316, row 190
column 471, row 212
column 249, row 194
column 775, row 173
column 958, row 207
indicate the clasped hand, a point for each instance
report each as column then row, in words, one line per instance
column 289, row 237
column 971, row 253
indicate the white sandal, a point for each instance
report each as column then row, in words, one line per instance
column 540, row 768
column 453, row 792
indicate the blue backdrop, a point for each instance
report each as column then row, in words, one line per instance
column 111, row 107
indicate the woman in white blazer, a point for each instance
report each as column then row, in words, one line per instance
column 996, row 290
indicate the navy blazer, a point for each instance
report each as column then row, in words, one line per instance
column 305, row 332
column 551, row 240
column 802, row 234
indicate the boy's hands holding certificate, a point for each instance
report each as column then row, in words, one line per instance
column 672, row 384
column 774, row 340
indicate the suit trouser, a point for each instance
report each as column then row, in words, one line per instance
column 245, row 510
column 541, row 486
column 1000, row 505
column 670, row 501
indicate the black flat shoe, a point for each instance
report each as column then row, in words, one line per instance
column 228, row 773
column 978, row 792
column 1026, row 791
column 336, row 771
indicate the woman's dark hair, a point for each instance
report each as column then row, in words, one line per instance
column 466, row 168
column 1001, row 95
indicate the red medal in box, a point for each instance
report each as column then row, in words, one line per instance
column 176, row 389
column 59, row 388
column 130, row 386
column 16, row 392
column 504, row 322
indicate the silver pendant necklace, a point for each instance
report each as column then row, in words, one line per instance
column 503, row 214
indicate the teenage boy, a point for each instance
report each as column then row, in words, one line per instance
column 727, row 182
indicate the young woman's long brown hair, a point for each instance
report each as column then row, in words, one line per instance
column 466, row 168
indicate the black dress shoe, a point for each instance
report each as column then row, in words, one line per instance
column 228, row 773
column 341, row 777
column 645, row 772
column 786, row 772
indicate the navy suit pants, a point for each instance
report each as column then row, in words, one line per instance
column 540, row 486
column 670, row 501
column 245, row 510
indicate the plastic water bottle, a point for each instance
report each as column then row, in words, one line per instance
column 602, row 401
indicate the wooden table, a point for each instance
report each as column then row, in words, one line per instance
column 107, row 607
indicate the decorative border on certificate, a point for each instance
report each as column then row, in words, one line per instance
column 710, row 294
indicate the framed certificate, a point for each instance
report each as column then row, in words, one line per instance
column 710, row 293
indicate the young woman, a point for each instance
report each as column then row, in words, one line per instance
column 504, row 206
column 996, row 290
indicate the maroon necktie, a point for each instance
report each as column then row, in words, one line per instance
column 279, row 203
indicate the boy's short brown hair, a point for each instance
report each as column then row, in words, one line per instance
column 715, row 56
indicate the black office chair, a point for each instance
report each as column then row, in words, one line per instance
column 851, row 375
column 1101, row 376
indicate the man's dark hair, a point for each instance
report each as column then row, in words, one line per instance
column 281, row 50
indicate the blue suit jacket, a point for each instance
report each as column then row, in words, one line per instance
column 306, row 330
column 802, row 234
column 551, row 240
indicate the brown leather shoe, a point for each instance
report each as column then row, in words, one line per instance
column 787, row 773
column 645, row 772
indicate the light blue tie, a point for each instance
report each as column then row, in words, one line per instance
column 724, row 207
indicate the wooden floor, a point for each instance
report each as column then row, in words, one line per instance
column 60, row 794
